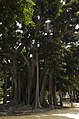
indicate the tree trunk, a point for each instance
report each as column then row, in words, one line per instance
column 50, row 90
column 54, row 93
column 42, row 93
column 71, row 96
column 71, row 100
column 5, row 88
column 15, row 81
column 37, row 102
column 30, row 68
column 61, row 102
column 29, row 85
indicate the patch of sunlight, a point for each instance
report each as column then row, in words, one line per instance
column 74, row 116
column 76, row 109
column 37, row 116
column 76, row 104
column 44, row 115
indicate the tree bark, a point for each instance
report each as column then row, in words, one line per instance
column 61, row 102
column 5, row 88
column 42, row 92
column 54, row 93
column 30, row 68
column 37, row 101
column 50, row 90
column 15, row 81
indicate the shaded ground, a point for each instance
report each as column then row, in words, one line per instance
column 66, row 113
column 72, row 113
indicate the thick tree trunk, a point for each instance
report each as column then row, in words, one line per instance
column 30, row 68
column 29, row 85
column 15, row 81
column 42, row 93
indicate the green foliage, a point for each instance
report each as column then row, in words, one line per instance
column 27, row 11
column 11, row 11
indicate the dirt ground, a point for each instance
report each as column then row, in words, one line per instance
column 66, row 113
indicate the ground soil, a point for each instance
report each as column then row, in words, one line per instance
column 64, row 113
